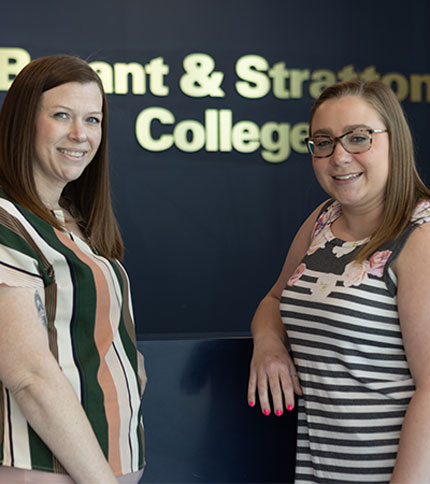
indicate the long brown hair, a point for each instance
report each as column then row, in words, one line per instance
column 404, row 185
column 89, row 195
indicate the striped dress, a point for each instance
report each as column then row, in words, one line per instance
column 342, row 323
column 91, row 334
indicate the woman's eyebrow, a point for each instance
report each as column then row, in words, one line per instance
column 328, row 132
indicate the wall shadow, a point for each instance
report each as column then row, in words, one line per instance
column 198, row 425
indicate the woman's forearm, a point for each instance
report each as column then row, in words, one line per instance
column 267, row 323
column 51, row 407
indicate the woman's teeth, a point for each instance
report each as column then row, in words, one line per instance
column 347, row 177
column 75, row 154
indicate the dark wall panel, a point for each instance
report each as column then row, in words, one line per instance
column 198, row 426
column 207, row 231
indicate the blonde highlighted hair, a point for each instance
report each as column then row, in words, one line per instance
column 404, row 185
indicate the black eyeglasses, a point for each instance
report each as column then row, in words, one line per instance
column 356, row 141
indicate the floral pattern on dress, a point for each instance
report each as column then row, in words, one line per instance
column 325, row 285
column 297, row 274
column 320, row 235
column 356, row 272
column 346, row 248
column 318, row 242
column 327, row 218
column 421, row 213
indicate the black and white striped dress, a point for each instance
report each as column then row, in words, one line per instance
column 343, row 327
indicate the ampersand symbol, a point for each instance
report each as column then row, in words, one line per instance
column 200, row 79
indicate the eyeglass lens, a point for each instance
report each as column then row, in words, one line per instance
column 355, row 142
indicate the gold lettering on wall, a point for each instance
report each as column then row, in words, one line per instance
column 12, row 60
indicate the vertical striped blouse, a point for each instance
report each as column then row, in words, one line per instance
column 343, row 326
column 91, row 334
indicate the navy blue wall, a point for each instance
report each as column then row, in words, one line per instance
column 198, row 426
column 207, row 231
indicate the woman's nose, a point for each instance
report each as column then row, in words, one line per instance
column 77, row 132
column 340, row 155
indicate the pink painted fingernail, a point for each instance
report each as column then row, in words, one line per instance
column 266, row 411
column 251, row 404
column 290, row 407
column 278, row 412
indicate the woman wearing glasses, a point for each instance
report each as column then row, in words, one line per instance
column 352, row 302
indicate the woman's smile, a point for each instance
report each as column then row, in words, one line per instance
column 348, row 177
column 72, row 153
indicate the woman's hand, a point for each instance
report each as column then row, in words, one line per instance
column 272, row 369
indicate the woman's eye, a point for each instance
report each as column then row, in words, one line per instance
column 94, row 120
column 60, row 115
column 358, row 139
column 323, row 142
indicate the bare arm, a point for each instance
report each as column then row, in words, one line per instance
column 271, row 365
column 413, row 272
column 46, row 398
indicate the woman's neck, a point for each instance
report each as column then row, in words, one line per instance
column 50, row 195
column 51, row 205
column 355, row 225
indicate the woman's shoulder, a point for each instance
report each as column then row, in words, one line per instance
column 327, row 213
column 8, row 208
column 420, row 219
column 416, row 251
column 421, row 213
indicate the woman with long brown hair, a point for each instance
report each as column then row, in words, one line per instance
column 71, row 378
